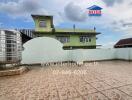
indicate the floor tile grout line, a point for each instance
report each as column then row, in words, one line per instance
column 112, row 86
column 57, row 89
column 124, row 92
column 76, row 90
column 97, row 90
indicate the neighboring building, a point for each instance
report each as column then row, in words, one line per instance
column 124, row 43
column 10, row 46
column 26, row 34
column 71, row 38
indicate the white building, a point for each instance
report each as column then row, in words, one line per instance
column 10, row 46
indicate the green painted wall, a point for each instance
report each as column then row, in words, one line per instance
column 43, row 29
column 75, row 41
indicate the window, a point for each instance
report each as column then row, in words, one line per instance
column 9, row 58
column 85, row 39
column 11, row 41
column 89, row 39
column 63, row 39
column 9, row 33
column 42, row 23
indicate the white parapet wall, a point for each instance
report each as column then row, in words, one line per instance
column 44, row 49
column 93, row 54
column 124, row 53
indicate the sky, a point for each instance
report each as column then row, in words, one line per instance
column 114, row 24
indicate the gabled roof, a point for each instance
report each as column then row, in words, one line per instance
column 123, row 42
column 94, row 7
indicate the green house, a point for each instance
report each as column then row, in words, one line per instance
column 71, row 38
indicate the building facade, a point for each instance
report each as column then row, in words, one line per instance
column 71, row 38
column 10, row 46
column 26, row 34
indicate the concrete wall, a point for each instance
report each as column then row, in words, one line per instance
column 44, row 49
column 124, row 53
column 102, row 54
column 93, row 54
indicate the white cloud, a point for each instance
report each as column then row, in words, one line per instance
column 112, row 2
column 75, row 12
column 119, row 16
column 108, row 44
column 22, row 8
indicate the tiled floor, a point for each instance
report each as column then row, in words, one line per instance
column 110, row 80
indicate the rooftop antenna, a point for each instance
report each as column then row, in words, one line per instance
column 74, row 27
column 94, row 28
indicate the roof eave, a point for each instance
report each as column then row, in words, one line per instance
column 75, row 33
column 36, row 16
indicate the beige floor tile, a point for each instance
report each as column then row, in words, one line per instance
column 77, row 98
column 113, row 82
column 100, row 86
column 85, row 89
column 126, row 89
column 41, row 83
column 95, row 96
column 115, row 94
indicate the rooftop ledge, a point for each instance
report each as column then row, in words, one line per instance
column 57, row 30
column 74, row 30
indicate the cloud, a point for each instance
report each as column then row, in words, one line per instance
column 74, row 12
column 24, row 8
column 21, row 8
column 129, row 24
column 112, row 2
column 130, row 3
column 120, row 18
column 108, row 44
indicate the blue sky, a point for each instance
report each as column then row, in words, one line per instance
column 114, row 24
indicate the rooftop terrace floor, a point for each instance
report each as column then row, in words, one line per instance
column 108, row 80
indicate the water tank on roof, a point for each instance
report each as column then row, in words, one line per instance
column 10, row 46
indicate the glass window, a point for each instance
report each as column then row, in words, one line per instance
column 63, row 39
column 89, row 39
column 9, row 33
column 9, row 58
column 10, row 41
column 42, row 23
column 81, row 39
column 85, row 39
